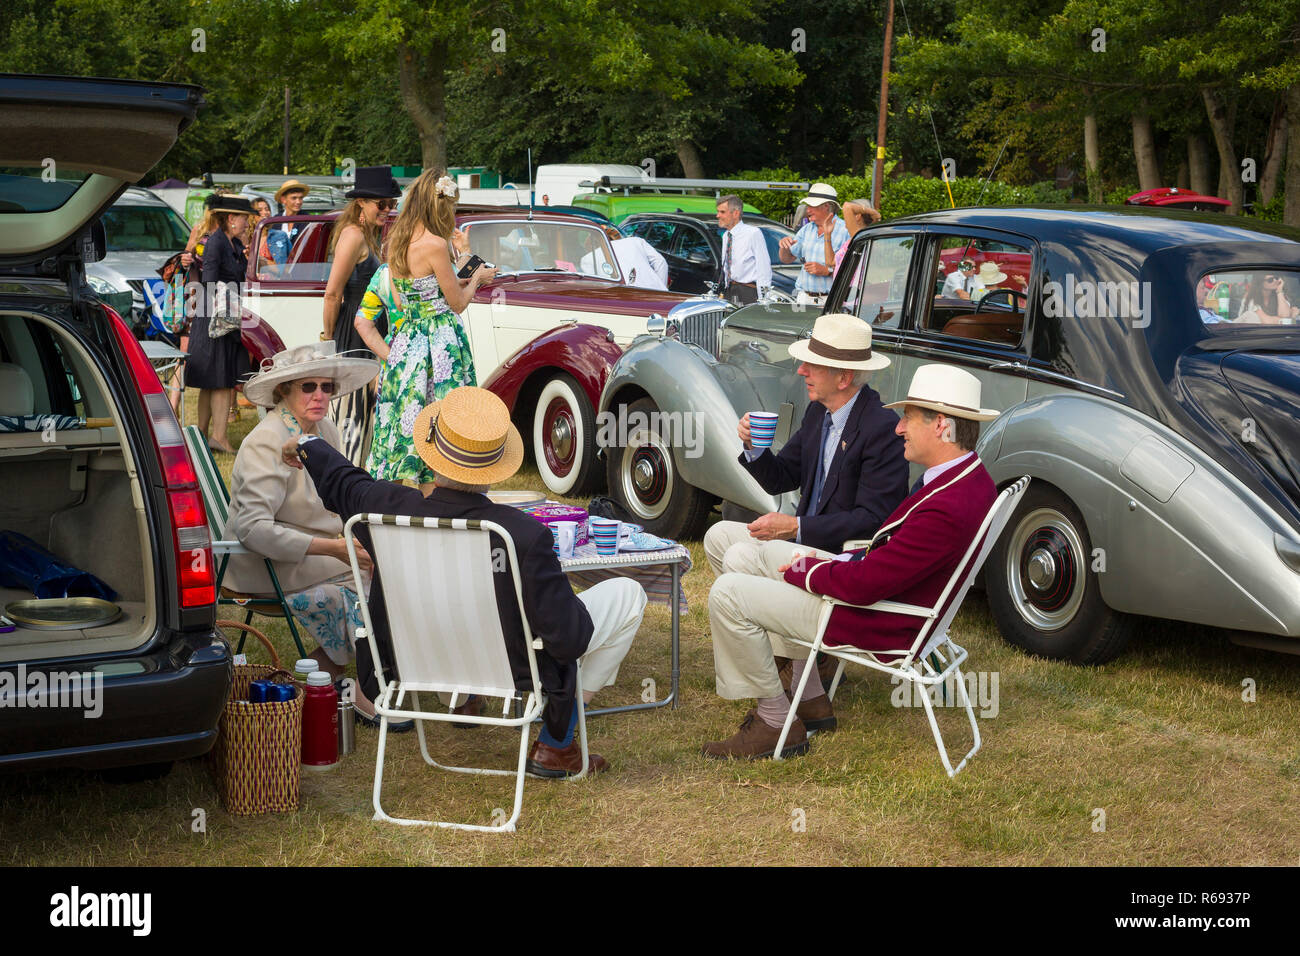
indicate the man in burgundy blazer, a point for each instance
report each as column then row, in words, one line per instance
column 910, row 559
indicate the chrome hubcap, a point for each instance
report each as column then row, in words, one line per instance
column 562, row 438
column 643, row 475
column 1042, row 569
column 1046, row 569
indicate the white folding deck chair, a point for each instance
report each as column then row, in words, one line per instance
column 919, row 665
column 447, row 637
column 216, row 502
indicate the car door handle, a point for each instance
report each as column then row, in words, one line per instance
column 1018, row 366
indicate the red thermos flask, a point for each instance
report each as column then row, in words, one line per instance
column 320, row 733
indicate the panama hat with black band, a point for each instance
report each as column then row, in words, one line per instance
column 820, row 194
column 839, row 341
column 291, row 186
column 468, row 437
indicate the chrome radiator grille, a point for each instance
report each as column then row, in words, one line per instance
column 701, row 330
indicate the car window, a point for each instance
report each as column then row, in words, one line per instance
column 308, row 257
column 979, row 290
column 693, row 244
column 1249, row 297
column 658, row 234
column 772, row 235
column 878, row 283
column 144, row 229
column 56, row 385
column 37, row 188
column 544, row 247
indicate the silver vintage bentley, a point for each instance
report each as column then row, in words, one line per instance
column 1147, row 365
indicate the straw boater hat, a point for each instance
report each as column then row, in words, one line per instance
column 468, row 437
column 990, row 273
column 318, row 360
column 238, row 205
column 839, row 341
column 292, row 186
column 949, row 390
column 822, row 193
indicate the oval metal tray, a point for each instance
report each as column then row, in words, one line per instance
column 62, row 614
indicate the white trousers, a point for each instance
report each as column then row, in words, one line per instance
column 616, row 607
column 752, row 610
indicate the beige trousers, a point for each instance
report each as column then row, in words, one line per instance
column 752, row 610
column 616, row 607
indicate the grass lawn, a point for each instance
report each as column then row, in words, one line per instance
column 1160, row 741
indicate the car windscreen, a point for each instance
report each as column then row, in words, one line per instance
column 37, row 188
column 1249, row 297
column 144, row 229
column 544, row 247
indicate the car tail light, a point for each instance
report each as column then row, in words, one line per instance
column 191, row 542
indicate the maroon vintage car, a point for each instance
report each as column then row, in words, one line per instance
column 544, row 333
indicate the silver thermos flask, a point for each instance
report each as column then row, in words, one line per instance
column 347, row 729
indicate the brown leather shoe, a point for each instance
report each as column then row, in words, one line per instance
column 817, row 715
column 755, row 740
column 473, row 707
column 546, row 761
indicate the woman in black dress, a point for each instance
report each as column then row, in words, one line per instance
column 354, row 246
column 214, row 365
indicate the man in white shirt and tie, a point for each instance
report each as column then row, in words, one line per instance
column 964, row 283
column 746, row 266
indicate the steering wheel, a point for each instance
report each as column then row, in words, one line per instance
column 1011, row 294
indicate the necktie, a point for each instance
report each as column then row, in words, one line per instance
column 920, row 483
column 726, row 258
column 815, row 505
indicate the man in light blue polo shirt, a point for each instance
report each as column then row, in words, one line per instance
column 815, row 243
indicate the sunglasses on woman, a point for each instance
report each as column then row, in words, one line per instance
column 308, row 387
column 384, row 204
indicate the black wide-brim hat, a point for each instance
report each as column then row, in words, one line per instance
column 239, row 205
column 374, row 182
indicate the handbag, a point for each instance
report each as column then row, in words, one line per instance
column 224, row 317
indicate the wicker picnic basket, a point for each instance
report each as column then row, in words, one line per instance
column 256, row 758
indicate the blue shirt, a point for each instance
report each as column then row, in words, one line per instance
column 809, row 246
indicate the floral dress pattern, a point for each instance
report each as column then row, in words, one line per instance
column 428, row 356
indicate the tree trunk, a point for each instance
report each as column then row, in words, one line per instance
column 1274, row 150
column 1216, row 107
column 689, row 157
column 1291, row 207
column 1092, row 156
column 858, row 148
column 1198, row 164
column 420, row 81
column 1144, row 149
column 1181, row 178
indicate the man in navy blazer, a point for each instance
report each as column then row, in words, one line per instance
column 910, row 559
column 595, row 627
column 845, row 459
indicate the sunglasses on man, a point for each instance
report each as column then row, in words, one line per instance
column 308, row 387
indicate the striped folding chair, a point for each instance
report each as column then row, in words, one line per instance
column 447, row 637
column 216, row 501
column 932, row 658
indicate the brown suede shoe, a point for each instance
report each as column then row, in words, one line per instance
column 473, row 707
column 817, row 715
column 546, row 761
column 755, row 740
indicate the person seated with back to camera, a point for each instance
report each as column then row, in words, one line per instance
column 909, row 559
column 468, row 442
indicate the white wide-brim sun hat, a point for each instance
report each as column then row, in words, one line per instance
column 948, row 390
column 822, row 193
column 839, row 341
column 320, row 360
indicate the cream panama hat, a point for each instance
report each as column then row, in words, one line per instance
column 839, row 341
column 291, row 186
column 468, row 437
column 821, row 193
column 990, row 273
column 319, row 360
column 949, row 390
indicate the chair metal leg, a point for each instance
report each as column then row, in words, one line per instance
column 835, row 681
column 938, row 737
column 582, row 728
column 796, row 695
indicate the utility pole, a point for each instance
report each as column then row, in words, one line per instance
column 878, row 168
column 286, row 125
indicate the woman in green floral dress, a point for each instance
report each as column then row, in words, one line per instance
column 426, row 353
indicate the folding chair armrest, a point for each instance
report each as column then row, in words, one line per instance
column 228, row 547
column 893, row 607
